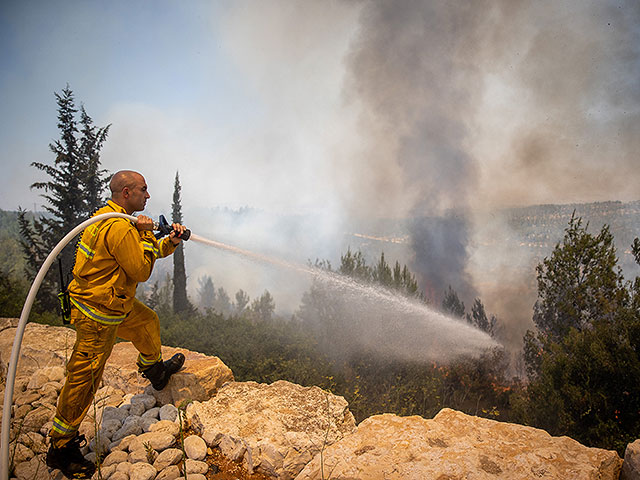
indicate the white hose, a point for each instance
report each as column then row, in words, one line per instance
column 24, row 316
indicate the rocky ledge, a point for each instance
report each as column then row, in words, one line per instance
column 282, row 430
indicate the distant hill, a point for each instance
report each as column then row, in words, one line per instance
column 539, row 228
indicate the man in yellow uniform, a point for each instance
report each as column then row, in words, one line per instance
column 112, row 257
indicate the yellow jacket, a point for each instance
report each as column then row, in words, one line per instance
column 111, row 258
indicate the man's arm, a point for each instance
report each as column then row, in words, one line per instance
column 135, row 251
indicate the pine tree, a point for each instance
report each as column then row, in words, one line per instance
column 206, row 292
column 452, row 304
column 74, row 190
column 180, row 301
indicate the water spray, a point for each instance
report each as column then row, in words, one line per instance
column 477, row 340
column 162, row 226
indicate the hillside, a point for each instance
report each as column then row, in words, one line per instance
column 274, row 431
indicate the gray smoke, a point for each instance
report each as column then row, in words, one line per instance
column 467, row 106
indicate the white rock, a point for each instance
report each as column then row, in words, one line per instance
column 115, row 457
column 55, row 374
column 123, row 444
column 124, row 467
column 159, row 441
column 195, row 476
column 105, row 471
column 26, row 398
column 34, row 469
column 631, row 465
column 196, row 466
column 119, row 476
column 142, row 455
column 20, row 453
column 170, row 473
column 168, row 412
column 165, row 426
column 34, row 441
column 142, row 471
column 212, row 437
column 195, row 447
column 170, row 456
column 38, row 379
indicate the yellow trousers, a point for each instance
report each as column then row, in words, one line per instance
column 94, row 342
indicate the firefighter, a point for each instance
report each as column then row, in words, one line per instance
column 111, row 258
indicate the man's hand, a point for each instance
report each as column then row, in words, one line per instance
column 144, row 223
column 177, row 231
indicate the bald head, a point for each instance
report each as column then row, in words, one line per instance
column 129, row 190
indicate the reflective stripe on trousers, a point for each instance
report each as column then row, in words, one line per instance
column 94, row 342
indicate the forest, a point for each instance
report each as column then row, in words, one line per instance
column 582, row 358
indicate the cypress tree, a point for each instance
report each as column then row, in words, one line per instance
column 180, row 301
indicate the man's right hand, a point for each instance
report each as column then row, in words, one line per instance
column 144, row 223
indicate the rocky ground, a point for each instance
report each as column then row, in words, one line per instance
column 134, row 437
column 204, row 425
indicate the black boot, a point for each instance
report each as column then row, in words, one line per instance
column 159, row 373
column 69, row 459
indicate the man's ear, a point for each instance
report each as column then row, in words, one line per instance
column 125, row 192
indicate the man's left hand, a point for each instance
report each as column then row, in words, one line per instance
column 176, row 232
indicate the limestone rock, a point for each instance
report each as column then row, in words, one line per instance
column 42, row 346
column 34, row 469
column 115, row 457
column 142, row 471
column 170, row 456
column 157, row 440
column 287, row 422
column 195, row 448
column 165, row 426
column 138, row 456
column 200, row 378
column 170, row 473
column 196, row 466
column 631, row 466
column 454, row 445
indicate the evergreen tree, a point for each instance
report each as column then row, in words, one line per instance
column 263, row 307
column 222, row 303
column 452, row 304
column 206, row 292
column 242, row 300
column 75, row 188
column 478, row 318
column 583, row 362
column 180, row 300
column 579, row 283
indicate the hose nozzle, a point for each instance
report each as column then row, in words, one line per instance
column 164, row 228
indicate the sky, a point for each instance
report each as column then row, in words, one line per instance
column 368, row 107
column 348, row 110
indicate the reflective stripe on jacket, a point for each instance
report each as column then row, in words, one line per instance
column 111, row 258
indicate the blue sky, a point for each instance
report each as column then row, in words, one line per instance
column 361, row 108
column 350, row 110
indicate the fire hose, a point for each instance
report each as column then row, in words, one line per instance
column 162, row 226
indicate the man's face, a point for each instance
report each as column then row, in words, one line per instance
column 137, row 195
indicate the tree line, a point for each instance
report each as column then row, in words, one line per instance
column 582, row 359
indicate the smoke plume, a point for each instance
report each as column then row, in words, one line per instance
column 470, row 106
